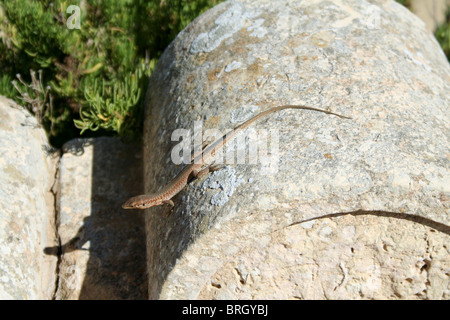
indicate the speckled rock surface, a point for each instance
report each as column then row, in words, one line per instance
column 27, row 174
column 375, row 62
column 348, row 257
column 103, row 246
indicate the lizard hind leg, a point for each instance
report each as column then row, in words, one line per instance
column 216, row 167
column 169, row 202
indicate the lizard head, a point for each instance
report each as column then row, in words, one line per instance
column 143, row 201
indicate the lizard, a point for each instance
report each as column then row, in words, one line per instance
column 194, row 169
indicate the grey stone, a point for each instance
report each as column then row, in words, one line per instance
column 375, row 62
column 27, row 175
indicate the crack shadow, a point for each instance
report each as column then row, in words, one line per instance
column 441, row 227
column 116, row 258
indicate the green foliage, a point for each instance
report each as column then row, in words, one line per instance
column 98, row 73
column 109, row 106
column 6, row 89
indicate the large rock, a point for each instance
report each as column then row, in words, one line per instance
column 27, row 206
column 237, row 233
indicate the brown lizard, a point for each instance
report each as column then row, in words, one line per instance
column 194, row 170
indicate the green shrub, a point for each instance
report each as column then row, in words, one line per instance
column 97, row 74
